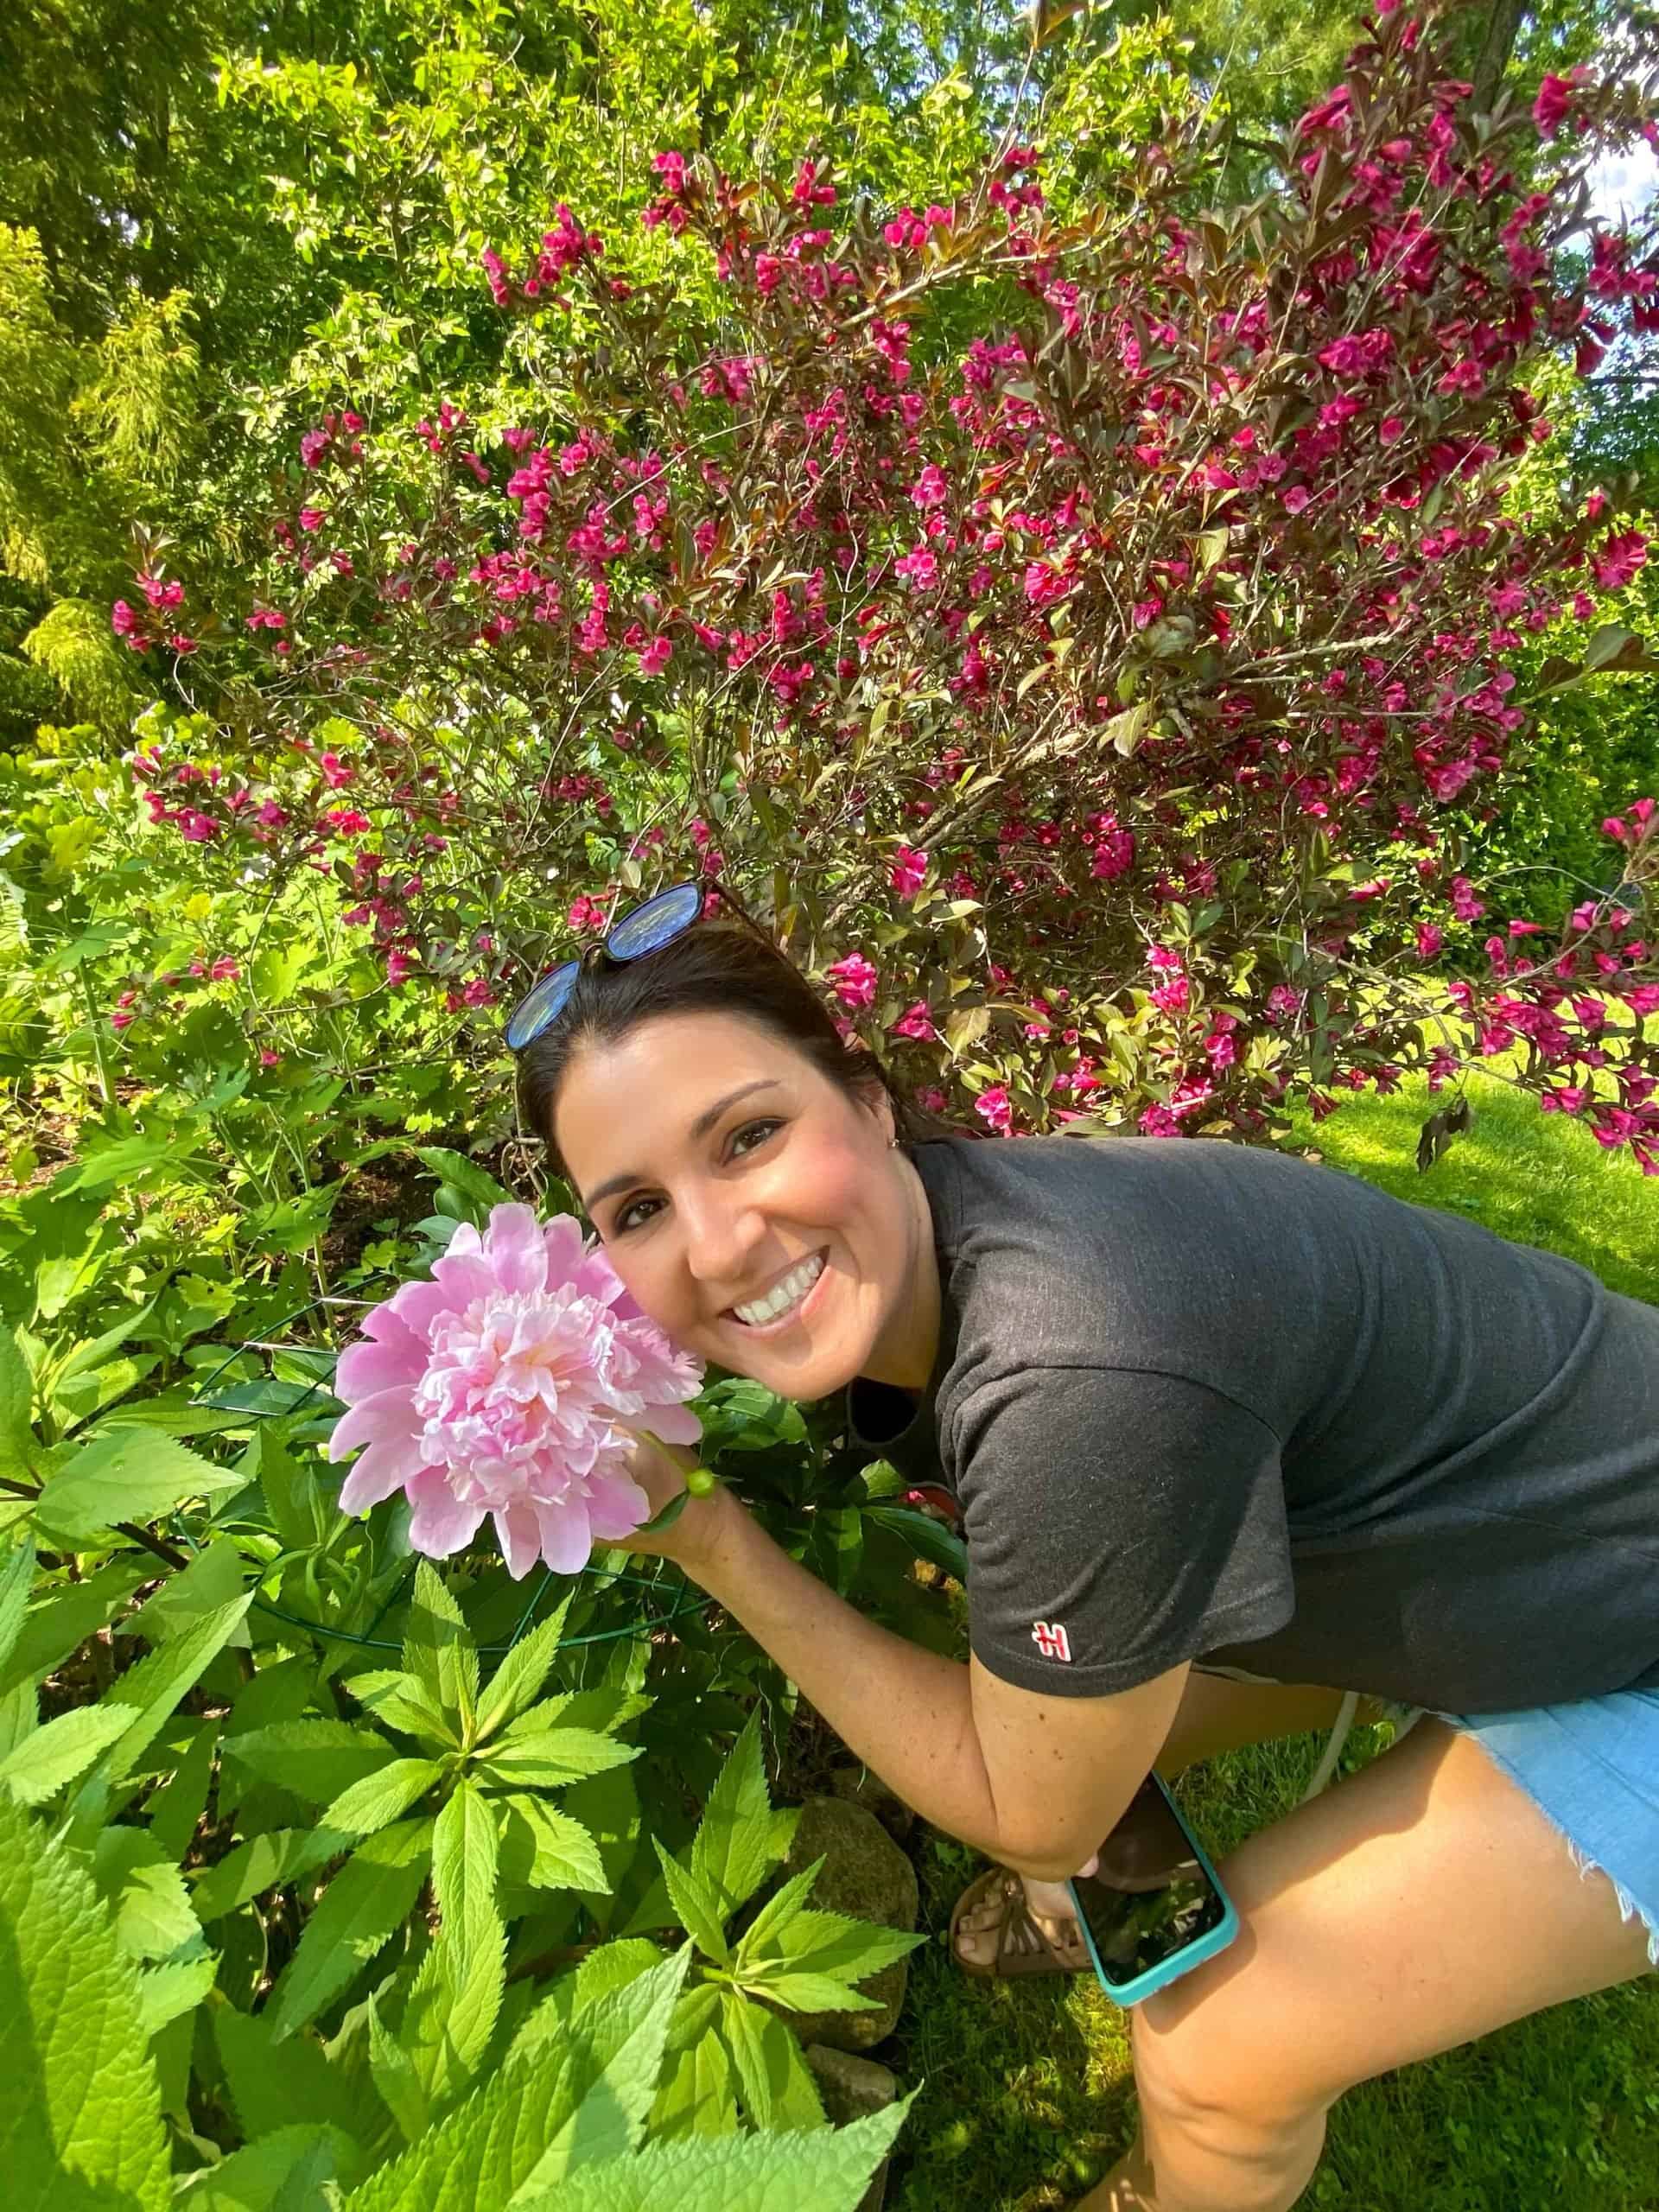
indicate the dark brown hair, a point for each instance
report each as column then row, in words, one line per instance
column 714, row 967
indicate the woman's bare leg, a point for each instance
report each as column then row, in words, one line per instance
column 1423, row 1903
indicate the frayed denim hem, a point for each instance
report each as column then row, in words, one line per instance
column 1587, row 1863
column 1628, row 1907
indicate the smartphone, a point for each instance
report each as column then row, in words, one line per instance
column 1155, row 1908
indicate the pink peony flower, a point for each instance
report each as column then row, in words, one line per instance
column 500, row 1387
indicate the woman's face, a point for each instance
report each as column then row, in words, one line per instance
column 756, row 1212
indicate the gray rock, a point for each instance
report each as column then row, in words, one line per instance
column 851, row 2088
column 856, row 1785
column 864, row 1874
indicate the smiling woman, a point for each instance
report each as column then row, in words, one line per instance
column 1199, row 1403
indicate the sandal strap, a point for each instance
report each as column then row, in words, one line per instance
column 1020, row 1919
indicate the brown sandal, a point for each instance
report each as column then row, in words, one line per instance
column 1016, row 1923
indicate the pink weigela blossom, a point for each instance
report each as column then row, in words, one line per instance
column 501, row 1387
column 855, row 979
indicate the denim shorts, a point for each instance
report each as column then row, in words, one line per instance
column 1591, row 1768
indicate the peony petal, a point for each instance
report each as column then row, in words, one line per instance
column 386, row 1416
column 386, row 1467
column 561, row 1238
column 515, row 1250
column 597, row 1278
column 463, row 1276
column 418, row 1306
column 364, row 1370
column 440, row 1524
column 616, row 1507
column 567, row 1540
column 465, row 1242
column 672, row 1424
column 520, row 1536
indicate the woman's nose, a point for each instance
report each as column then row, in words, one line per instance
column 721, row 1237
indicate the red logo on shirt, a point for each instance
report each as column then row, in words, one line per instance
column 1050, row 1639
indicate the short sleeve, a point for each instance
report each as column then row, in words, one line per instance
column 1118, row 1521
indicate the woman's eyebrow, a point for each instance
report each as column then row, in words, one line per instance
column 700, row 1128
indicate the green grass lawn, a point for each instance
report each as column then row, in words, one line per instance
column 1027, row 2097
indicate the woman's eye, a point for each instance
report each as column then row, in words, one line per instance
column 752, row 1134
column 635, row 1215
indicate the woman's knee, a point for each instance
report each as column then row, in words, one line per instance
column 1221, row 2069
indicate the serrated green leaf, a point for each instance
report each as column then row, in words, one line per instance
column 613, row 1966
column 483, row 2153
column 177, row 1986
column 695, row 1905
column 19, row 1451
column 363, row 1906
column 698, row 2097
column 80, row 2118
column 774, row 2078
column 177, row 1807
column 438, row 1650
column 777, row 1911
column 403, row 1701
column 149, row 1905
column 516, row 1683
column 16, row 1574
column 450, row 2017
column 465, row 1847
column 732, row 1851
column 19, row 1717
column 284, row 2172
column 65, row 1618
column 150, row 1690
column 617, row 2047
column 259, row 1864
column 837, row 1944
column 807, row 1993
column 385, row 1796
column 214, row 1576
column 316, row 1759
column 61, row 1751
column 549, row 1756
column 126, row 1474
column 544, row 1849
column 827, row 2170
column 274, row 2084
column 395, row 2076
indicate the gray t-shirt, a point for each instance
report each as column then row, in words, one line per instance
column 1202, row 1400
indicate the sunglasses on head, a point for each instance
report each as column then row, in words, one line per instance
column 643, row 929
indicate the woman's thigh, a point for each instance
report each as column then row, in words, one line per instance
column 1421, row 1904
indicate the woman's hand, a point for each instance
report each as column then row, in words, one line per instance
column 662, row 1471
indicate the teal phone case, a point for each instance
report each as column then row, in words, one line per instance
column 1190, row 1955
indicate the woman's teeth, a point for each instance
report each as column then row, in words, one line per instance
column 778, row 1299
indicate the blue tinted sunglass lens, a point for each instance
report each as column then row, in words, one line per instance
column 655, row 922
column 532, row 1016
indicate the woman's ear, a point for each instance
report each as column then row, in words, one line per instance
column 880, row 1101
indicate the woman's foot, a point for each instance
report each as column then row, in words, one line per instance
column 982, row 1937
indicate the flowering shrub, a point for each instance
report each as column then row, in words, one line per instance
column 1088, row 692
